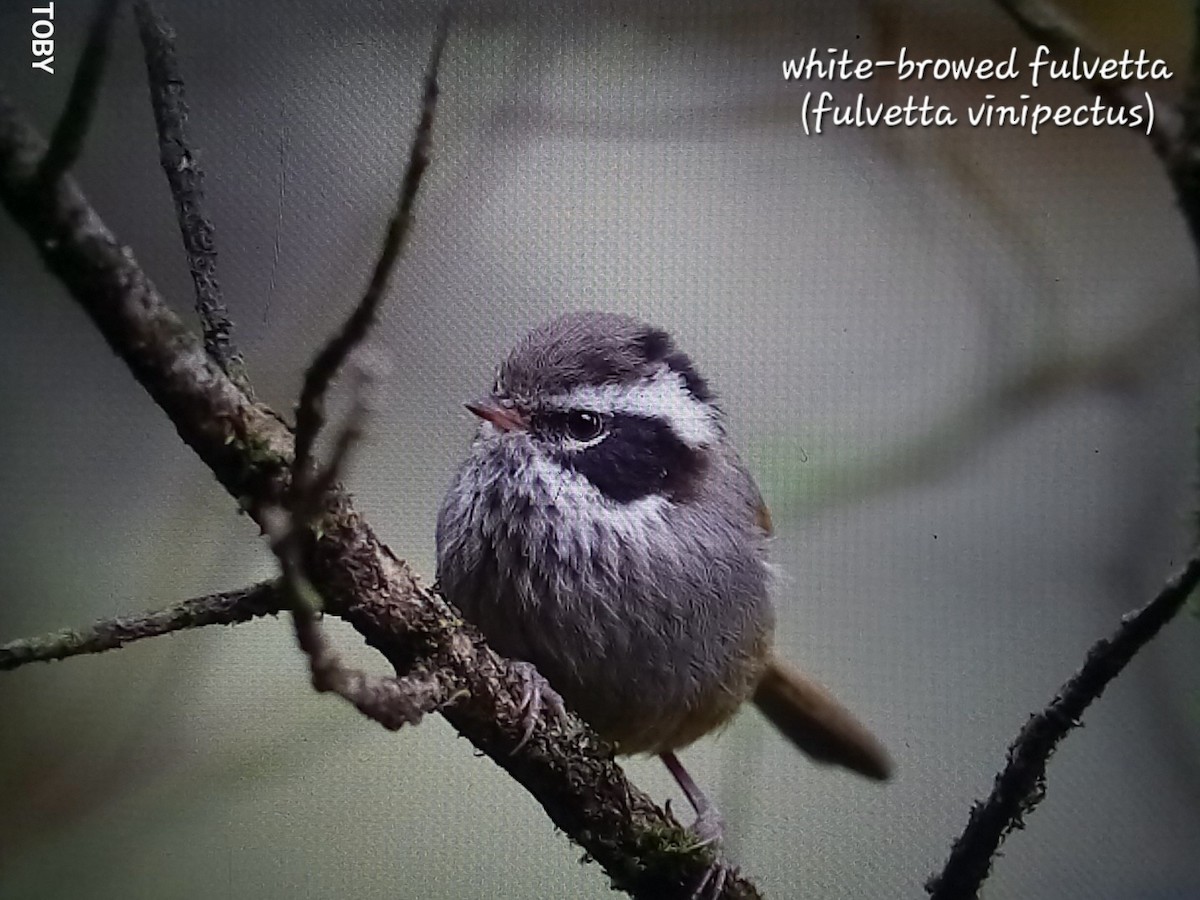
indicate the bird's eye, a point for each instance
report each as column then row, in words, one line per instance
column 584, row 426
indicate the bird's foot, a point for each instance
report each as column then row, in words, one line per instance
column 709, row 827
column 536, row 695
column 713, row 882
column 709, row 831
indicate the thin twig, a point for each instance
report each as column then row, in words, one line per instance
column 310, row 414
column 1046, row 24
column 227, row 608
column 349, row 434
column 67, row 139
column 186, row 179
column 389, row 700
column 1022, row 783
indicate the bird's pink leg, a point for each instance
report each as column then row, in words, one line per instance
column 709, row 827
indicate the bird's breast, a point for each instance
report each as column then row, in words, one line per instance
column 649, row 620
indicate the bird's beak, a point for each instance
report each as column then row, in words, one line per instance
column 503, row 417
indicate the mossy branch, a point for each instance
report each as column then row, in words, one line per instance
column 251, row 452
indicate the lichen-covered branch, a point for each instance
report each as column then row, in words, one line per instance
column 227, row 608
column 240, row 441
column 185, row 175
column 250, row 451
column 1022, row 783
column 392, row 701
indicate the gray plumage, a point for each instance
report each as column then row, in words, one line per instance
column 650, row 616
column 604, row 529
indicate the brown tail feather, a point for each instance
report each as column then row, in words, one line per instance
column 816, row 723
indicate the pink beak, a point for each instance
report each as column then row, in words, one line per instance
column 503, row 417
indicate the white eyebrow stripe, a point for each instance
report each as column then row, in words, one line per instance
column 662, row 396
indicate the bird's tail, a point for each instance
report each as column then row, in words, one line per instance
column 816, row 723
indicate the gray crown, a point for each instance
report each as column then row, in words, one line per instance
column 593, row 348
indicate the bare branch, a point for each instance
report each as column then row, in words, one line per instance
column 228, row 608
column 67, row 140
column 186, row 179
column 1022, row 783
column 1046, row 24
column 310, row 415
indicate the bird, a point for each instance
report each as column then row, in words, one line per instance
column 605, row 535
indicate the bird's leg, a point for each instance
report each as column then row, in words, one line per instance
column 536, row 693
column 709, row 827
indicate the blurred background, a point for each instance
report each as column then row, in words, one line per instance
column 961, row 361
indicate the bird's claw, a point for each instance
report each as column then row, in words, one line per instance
column 713, row 882
column 709, row 831
column 709, row 827
column 536, row 695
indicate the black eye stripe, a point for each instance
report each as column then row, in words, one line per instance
column 640, row 456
